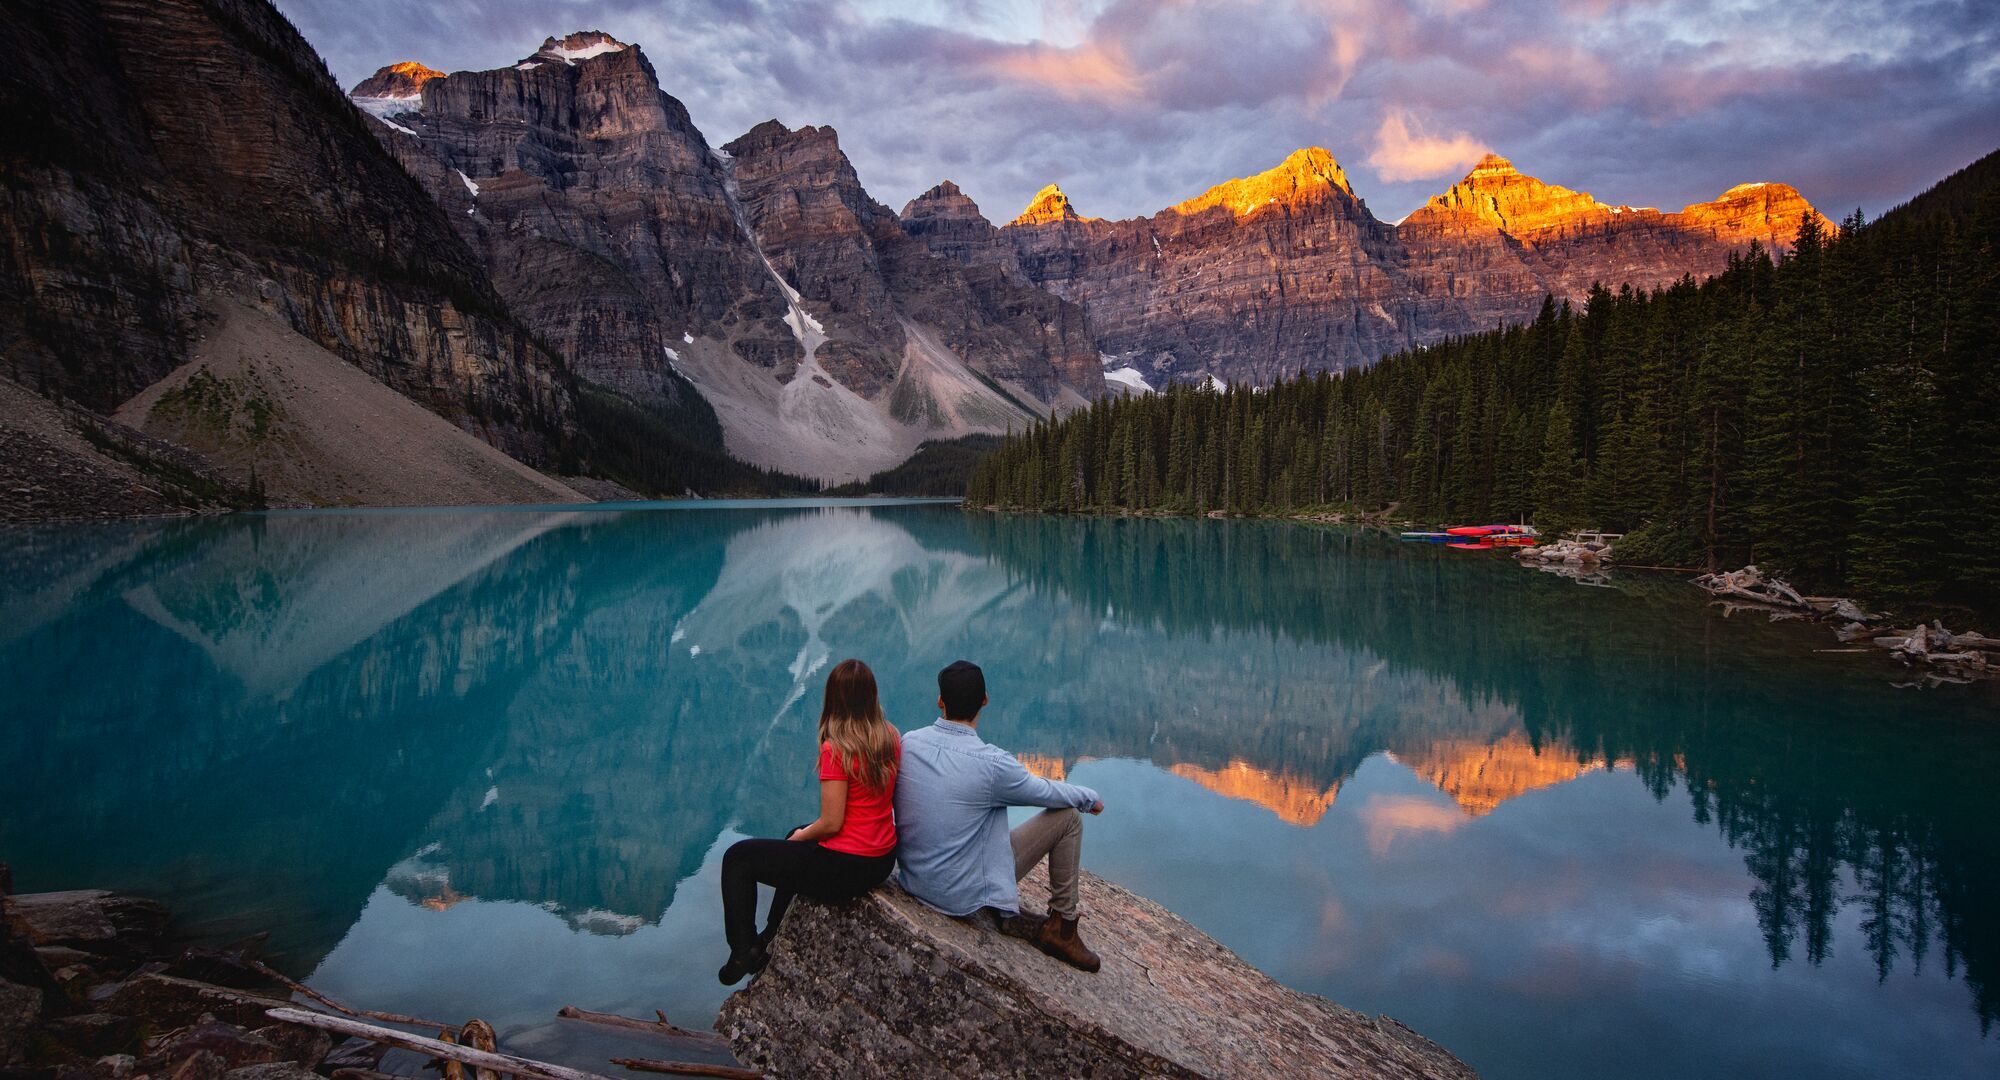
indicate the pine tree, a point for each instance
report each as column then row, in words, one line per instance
column 1833, row 414
column 1559, row 486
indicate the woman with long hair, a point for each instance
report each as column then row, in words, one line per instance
column 847, row 850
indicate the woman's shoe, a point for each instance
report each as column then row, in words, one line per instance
column 748, row 962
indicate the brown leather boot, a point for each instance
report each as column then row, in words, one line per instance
column 1058, row 938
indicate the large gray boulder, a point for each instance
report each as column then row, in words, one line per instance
column 887, row 987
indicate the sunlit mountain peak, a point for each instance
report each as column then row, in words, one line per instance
column 1479, row 776
column 1306, row 174
column 1045, row 766
column 398, row 81
column 1296, row 800
column 1048, row 205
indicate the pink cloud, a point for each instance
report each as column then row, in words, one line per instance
column 1086, row 71
column 1403, row 154
column 1388, row 817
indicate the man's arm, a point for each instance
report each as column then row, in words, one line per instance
column 1014, row 785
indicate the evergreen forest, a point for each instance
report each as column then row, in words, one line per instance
column 1831, row 413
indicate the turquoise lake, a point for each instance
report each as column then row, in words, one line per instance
column 485, row 763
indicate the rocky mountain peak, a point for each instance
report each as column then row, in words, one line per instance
column 772, row 134
column 1766, row 212
column 1306, row 174
column 941, row 202
column 403, row 80
column 1506, row 198
column 581, row 45
column 1049, row 205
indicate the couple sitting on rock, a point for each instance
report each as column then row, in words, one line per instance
column 934, row 801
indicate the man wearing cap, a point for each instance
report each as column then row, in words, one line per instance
column 954, row 849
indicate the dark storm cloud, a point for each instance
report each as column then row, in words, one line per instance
column 1133, row 104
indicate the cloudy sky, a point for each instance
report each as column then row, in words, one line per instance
column 1135, row 104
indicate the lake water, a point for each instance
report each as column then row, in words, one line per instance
column 485, row 763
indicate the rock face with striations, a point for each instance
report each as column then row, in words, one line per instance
column 157, row 153
column 1287, row 270
column 887, row 987
column 1498, row 240
column 826, row 339
column 596, row 206
column 1254, row 279
column 891, row 300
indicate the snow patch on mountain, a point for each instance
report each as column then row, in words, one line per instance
column 382, row 108
column 587, row 47
column 1130, row 378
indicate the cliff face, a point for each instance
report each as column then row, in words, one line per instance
column 1288, row 270
column 826, row 339
column 594, row 203
column 158, row 152
column 1035, row 338
column 887, row 294
column 1254, row 279
column 1497, row 240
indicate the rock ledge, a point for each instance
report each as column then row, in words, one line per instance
column 886, row 987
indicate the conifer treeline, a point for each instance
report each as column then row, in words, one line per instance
column 1833, row 413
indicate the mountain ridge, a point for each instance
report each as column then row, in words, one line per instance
column 1287, row 269
column 759, row 274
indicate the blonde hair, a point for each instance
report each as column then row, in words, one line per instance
column 851, row 721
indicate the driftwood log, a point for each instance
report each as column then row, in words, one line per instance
column 1750, row 584
column 300, row 988
column 1952, row 657
column 525, row 1068
column 686, row 1068
column 650, row 1027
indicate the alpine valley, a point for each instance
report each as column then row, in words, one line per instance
column 223, row 281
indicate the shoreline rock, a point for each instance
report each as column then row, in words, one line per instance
column 1586, row 555
column 885, row 986
column 91, row 988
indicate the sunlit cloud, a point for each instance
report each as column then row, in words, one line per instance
column 1135, row 105
column 1388, row 818
column 1087, row 71
column 1403, row 154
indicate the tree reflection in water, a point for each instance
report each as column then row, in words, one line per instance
column 265, row 718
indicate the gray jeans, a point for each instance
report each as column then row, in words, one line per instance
column 1057, row 834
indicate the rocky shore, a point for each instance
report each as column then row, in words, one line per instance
column 90, row 989
column 93, row 988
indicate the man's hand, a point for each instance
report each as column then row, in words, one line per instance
column 1096, row 807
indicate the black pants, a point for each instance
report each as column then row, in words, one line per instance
column 789, row 866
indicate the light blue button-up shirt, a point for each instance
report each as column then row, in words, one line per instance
column 952, row 794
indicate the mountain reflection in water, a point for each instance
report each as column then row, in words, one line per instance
column 432, row 751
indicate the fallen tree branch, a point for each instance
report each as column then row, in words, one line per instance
column 689, row 1068
column 651, row 1027
column 526, row 1068
column 300, row 988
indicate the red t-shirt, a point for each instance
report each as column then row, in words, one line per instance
column 870, row 825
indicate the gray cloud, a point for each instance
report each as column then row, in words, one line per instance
column 1134, row 104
